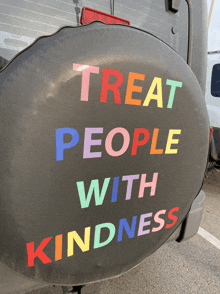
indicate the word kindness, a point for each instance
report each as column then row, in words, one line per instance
column 139, row 225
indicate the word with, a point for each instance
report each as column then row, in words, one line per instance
column 84, row 245
column 136, row 142
column 132, row 76
column 100, row 196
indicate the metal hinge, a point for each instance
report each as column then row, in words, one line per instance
column 174, row 5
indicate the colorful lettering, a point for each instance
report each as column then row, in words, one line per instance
column 97, row 243
column 132, row 88
column 86, row 71
column 171, row 141
column 124, row 224
column 174, row 85
column 115, row 189
column 31, row 254
column 143, row 223
column 159, row 220
column 60, row 145
column 88, row 142
column 94, row 187
column 172, row 217
column 153, row 149
column 113, row 87
column 157, row 83
column 84, row 246
column 130, row 184
column 58, row 247
column 145, row 184
column 109, row 138
column 136, row 141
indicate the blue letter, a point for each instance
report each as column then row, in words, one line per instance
column 115, row 189
column 123, row 223
column 60, row 145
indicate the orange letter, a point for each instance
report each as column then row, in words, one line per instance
column 153, row 149
column 58, row 247
column 131, row 88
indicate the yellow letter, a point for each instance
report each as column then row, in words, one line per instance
column 150, row 95
column 74, row 236
column 170, row 141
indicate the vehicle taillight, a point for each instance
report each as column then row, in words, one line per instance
column 211, row 131
column 88, row 15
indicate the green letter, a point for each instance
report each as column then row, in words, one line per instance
column 97, row 243
column 94, row 186
column 173, row 85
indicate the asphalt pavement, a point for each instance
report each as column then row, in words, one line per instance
column 189, row 267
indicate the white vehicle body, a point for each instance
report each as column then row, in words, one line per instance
column 213, row 103
column 212, row 98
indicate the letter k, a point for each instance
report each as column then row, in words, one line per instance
column 39, row 252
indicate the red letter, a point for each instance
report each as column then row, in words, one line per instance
column 113, row 87
column 136, row 142
column 172, row 217
column 39, row 252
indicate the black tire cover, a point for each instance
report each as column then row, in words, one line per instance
column 140, row 118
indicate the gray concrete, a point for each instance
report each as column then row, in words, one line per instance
column 189, row 267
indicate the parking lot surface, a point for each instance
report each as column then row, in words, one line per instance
column 189, row 267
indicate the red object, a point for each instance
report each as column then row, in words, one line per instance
column 88, row 15
column 211, row 131
column 137, row 142
column 38, row 252
column 113, row 87
column 172, row 217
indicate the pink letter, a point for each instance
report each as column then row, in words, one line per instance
column 108, row 141
column 143, row 223
column 144, row 185
column 86, row 70
column 88, row 142
column 159, row 220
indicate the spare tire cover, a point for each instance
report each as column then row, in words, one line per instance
column 104, row 142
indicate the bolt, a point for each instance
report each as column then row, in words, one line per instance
column 174, row 30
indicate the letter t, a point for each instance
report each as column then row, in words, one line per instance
column 86, row 70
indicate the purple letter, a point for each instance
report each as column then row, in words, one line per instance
column 130, row 183
column 143, row 223
column 88, row 142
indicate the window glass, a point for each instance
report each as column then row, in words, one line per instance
column 215, row 85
